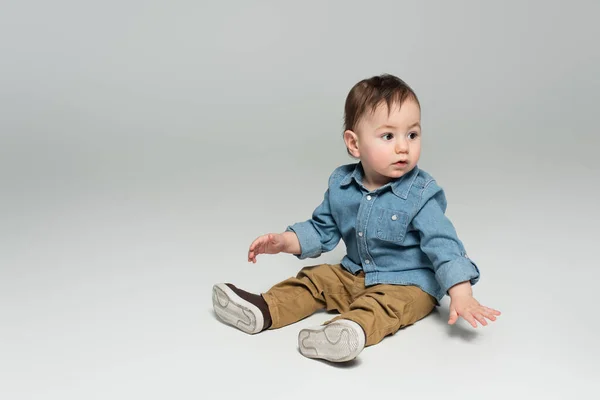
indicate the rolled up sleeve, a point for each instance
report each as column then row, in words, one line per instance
column 440, row 241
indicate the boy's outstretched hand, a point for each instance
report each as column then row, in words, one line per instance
column 271, row 243
column 463, row 304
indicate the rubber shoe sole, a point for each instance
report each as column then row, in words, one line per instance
column 340, row 341
column 235, row 311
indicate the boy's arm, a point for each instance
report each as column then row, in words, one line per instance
column 454, row 271
column 319, row 234
column 440, row 241
column 304, row 239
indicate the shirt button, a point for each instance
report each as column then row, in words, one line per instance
column 360, row 234
column 367, row 261
column 394, row 217
column 368, row 197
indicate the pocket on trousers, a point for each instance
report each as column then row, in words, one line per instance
column 391, row 224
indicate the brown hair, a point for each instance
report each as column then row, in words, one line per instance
column 367, row 94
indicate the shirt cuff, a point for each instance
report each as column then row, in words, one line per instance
column 456, row 271
column 310, row 241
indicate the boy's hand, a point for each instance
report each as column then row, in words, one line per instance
column 463, row 304
column 469, row 309
column 271, row 243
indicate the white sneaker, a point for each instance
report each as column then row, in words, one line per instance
column 236, row 308
column 342, row 340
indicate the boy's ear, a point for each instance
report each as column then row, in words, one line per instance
column 351, row 139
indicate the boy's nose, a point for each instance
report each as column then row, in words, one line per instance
column 401, row 146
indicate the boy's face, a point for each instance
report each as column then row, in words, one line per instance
column 388, row 146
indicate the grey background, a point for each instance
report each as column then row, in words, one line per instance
column 144, row 145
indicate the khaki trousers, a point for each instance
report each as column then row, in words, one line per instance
column 381, row 310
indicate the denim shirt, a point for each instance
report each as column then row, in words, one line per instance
column 397, row 234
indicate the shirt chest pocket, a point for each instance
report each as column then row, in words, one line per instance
column 391, row 224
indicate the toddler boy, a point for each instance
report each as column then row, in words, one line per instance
column 403, row 253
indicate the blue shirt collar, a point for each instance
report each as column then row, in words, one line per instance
column 400, row 187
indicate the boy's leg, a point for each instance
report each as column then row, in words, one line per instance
column 314, row 288
column 381, row 310
column 341, row 340
column 323, row 286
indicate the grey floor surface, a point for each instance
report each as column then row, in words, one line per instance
column 108, row 295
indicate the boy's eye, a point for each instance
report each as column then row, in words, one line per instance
column 387, row 136
column 413, row 135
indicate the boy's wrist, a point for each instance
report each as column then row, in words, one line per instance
column 461, row 289
column 291, row 243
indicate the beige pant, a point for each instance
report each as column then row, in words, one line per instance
column 381, row 310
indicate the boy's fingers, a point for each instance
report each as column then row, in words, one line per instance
column 469, row 318
column 489, row 315
column 481, row 319
column 453, row 317
column 491, row 310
